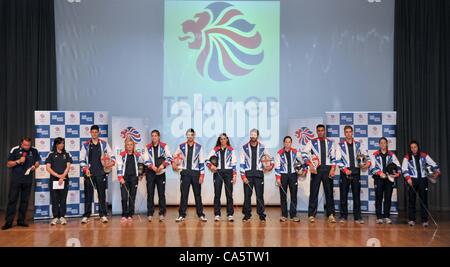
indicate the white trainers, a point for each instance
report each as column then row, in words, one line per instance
column 411, row 223
column 103, row 219
column 380, row 221
column 311, row 219
column 63, row 220
column 425, row 224
column 230, row 218
column 85, row 220
column 150, row 218
column 217, row 218
column 54, row 221
column 331, row 219
column 360, row 221
column 180, row 219
column 203, row 219
column 283, row 219
column 161, row 218
column 387, row 221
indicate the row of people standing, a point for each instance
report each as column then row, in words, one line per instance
column 321, row 156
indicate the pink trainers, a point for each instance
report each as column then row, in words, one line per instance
column 123, row 219
column 130, row 219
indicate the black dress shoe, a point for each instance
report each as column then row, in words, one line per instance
column 6, row 226
column 23, row 224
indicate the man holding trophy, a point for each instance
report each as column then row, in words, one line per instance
column 96, row 161
column 320, row 156
column 255, row 161
column 353, row 158
column 189, row 160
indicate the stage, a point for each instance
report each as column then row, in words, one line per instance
column 193, row 233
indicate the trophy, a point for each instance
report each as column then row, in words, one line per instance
column 266, row 161
column 141, row 169
column 430, row 172
column 106, row 162
column 177, row 162
column 159, row 161
column 214, row 160
column 361, row 159
column 298, row 167
column 315, row 160
column 391, row 171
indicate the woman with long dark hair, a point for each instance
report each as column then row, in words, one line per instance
column 58, row 165
column 224, row 174
column 414, row 170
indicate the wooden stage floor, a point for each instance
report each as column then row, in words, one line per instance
column 193, row 233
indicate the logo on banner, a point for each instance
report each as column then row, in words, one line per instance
column 42, row 117
column 42, row 131
column 389, row 130
column 374, row 118
column 346, row 118
column 304, row 134
column 87, row 118
column 360, row 118
column 72, row 131
column 132, row 133
column 333, row 130
column 332, row 118
column 373, row 143
column 57, row 118
column 43, row 144
column 230, row 45
column 360, row 130
column 72, row 118
column 57, row 131
column 72, row 144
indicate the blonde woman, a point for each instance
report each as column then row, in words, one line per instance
column 127, row 173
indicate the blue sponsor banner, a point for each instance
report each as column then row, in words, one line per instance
column 364, row 205
column 75, row 156
column 374, row 118
column 389, row 130
column 103, row 131
column 336, row 181
column 43, row 156
column 81, row 196
column 332, row 130
column 72, row 131
column 394, row 205
column 57, row 118
column 360, row 131
column 364, row 181
column 346, row 118
column 73, row 209
column 42, row 185
column 41, row 211
column 42, row 131
column 372, row 194
column 87, row 118
column 373, row 143
column 74, row 183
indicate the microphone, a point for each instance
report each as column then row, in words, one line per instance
column 24, row 154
